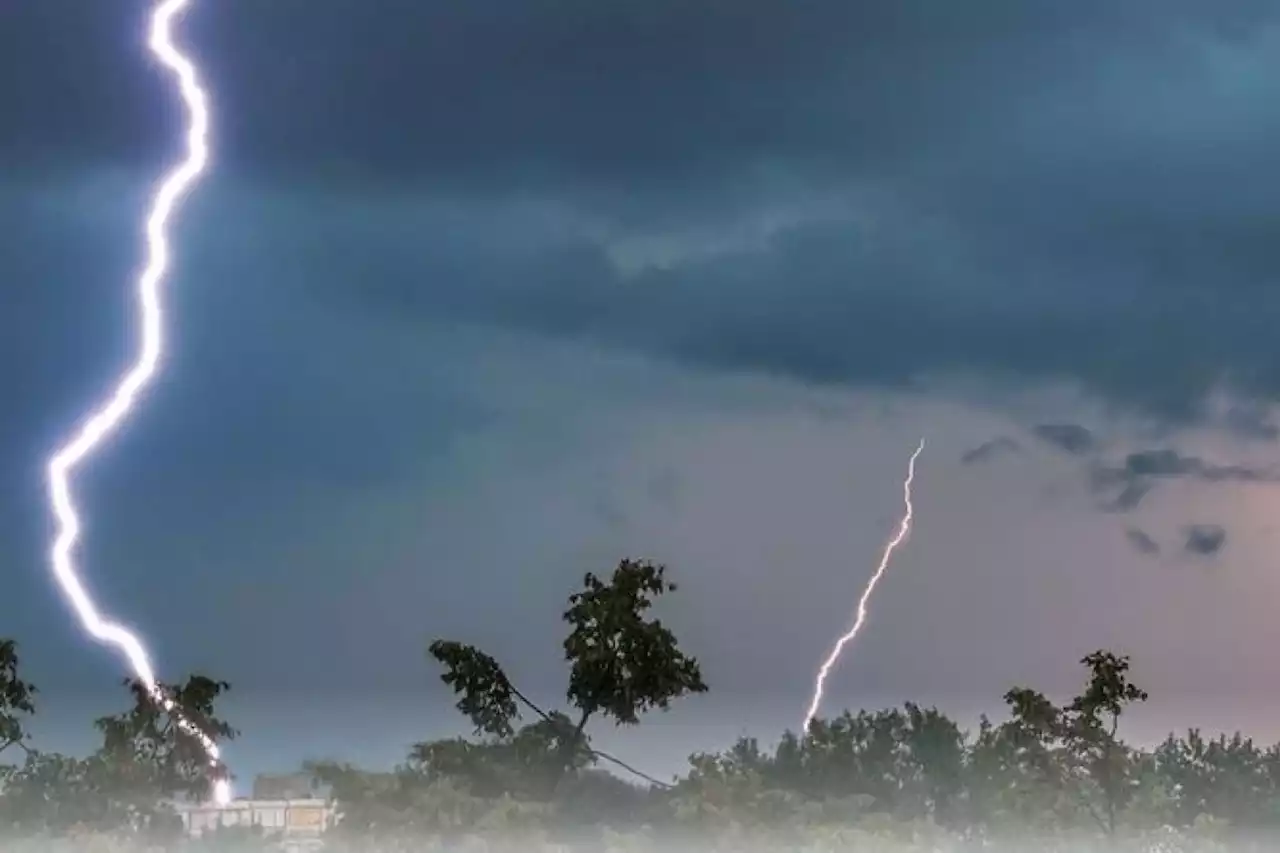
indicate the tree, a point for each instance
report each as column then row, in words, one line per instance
column 622, row 665
column 905, row 763
column 1074, row 751
column 52, row 793
column 1092, row 720
column 148, row 757
column 17, row 698
column 1226, row 777
column 145, row 759
column 525, row 764
column 935, row 756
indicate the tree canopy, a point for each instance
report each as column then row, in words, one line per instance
column 129, row 784
column 622, row 663
column 908, row 778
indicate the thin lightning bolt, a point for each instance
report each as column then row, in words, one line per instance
column 904, row 529
column 104, row 421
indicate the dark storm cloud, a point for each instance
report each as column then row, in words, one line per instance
column 1121, row 488
column 1142, row 542
column 555, row 91
column 1072, row 438
column 1204, row 539
column 1166, row 462
column 1027, row 191
column 1128, row 498
column 1142, row 470
column 989, row 450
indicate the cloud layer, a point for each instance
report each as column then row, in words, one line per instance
column 862, row 194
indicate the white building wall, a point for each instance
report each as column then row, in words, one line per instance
column 298, row 819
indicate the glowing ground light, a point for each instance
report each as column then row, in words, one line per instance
column 904, row 529
column 101, row 423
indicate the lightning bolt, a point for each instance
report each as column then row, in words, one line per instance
column 101, row 423
column 904, row 529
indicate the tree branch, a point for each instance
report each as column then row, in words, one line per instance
column 666, row 786
column 19, row 744
column 595, row 753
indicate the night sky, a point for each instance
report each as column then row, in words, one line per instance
column 479, row 296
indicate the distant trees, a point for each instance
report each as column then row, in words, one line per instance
column 907, row 779
column 897, row 779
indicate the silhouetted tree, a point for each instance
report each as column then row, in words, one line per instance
column 147, row 756
column 622, row 664
column 17, row 698
column 144, row 761
column 1062, row 760
column 1091, row 721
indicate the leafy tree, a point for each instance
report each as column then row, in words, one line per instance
column 735, row 790
column 147, row 756
column 145, row 760
column 622, row 664
column 1011, row 775
column 525, row 764
column 1229, row 778
column 906, row 764
column 935, row 757
column 1070, row 758
column 1092, row 720
column 55, row 794
column 17, row 698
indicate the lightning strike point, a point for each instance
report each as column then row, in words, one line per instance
column 101, row 423
column 904, row 530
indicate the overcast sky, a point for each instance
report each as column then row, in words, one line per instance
column 480, row 296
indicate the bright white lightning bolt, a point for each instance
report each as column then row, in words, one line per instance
column 105, row 420
column 904, row 529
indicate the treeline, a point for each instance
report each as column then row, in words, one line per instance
column 904, row 779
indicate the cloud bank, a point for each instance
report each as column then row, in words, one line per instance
column 871, row 195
